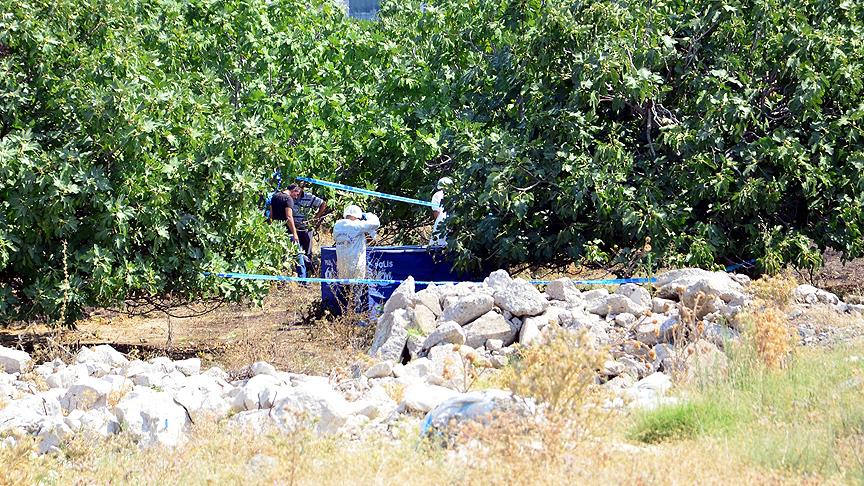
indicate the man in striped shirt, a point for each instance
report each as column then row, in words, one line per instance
column 308, row 210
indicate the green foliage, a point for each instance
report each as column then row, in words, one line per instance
column 141, row 132
column 719, row 129
column 681, row 421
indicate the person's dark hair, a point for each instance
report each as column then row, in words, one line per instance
column 291, row 187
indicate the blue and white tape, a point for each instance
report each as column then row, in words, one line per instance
column 343, row 187
column 366, row 281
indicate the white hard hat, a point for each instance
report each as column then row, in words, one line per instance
column 444, row 181
column 352, row 210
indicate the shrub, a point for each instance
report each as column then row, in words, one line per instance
column 558, row 371
column 767, row 330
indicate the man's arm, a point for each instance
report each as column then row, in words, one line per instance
column 289, row 218
column 321, row 208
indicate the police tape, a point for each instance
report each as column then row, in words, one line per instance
column 343, row 187
column 745, row 264
column 367, row 281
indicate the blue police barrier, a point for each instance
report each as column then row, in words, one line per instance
column 392, row 263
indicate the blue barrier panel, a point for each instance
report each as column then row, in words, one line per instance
column 392, row 263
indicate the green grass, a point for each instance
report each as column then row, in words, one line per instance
column 808, row 418
column 682, row 421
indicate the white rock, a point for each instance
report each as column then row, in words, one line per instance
column 138, row 367
column 205, row 396
column 664, row 357
column 163, row 364
column 97, row 369
column 648, row 333
column 414, row 345
column 13, row 360
column 553, row 315
column 595, row 294
column 613, row 368
column 216, row 372
column 22, row 416
column 87, row 393
column 110, row 356
column 450, row 363
column 381, row 369
column 152, row 417
column 188, row 367
column 391, row 335
column 625, row 319
column 635, row 293
column 494, row 345
column 563, row 289
column 662, row 306
column 312, row 404
column 521, row 298
column 420, row 368
column 528, row 333
column 375, row 403
column 401, row 297
column 649, row 392
column 705, row 362
column 153, row 379
column 448, row 332
column 719, row 335
column 423, row 398
column 63, row 378
column 259, row 392
column 97, row 421
column 467, row 308
column 498, row 280
column 52, row 431
column 423, row 319
column 490, row 326
column 808, row 294
column 258, row 422
column 615, row 304
column 429, row 298
column 262, row 368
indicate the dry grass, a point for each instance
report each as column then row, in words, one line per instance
column 767, row 328
column 559, row 371
column 505, row 454
column 774, row 291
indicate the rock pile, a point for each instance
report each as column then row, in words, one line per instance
column 102, row 393
column 682, row 326
column 424, row 343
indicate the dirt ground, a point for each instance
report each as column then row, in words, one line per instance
column 289, row 330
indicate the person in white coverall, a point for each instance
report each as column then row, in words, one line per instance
column 437, row 238
column 349, row 235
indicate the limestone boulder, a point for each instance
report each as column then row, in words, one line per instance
column 152, row 417
column 563, row 289
column 490, row 325
column 467, row 308
column 402, row 297
column 13, row 360
column 448, row 332
column 520, row 298
column 391, row 335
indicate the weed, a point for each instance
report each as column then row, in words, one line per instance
column 775, row 291
column 559, row 372
column 767, row 330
